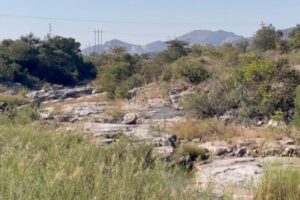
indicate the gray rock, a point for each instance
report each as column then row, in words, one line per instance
column 241, row 152
column 163, row 152
column 168, row 140
column 3, row 106
column 55, row 94
column 287, row 141
column 272, row 149
column 130, row 118
column 138, row 132
column 218, row 148
column 46, row 115
column 237, row 173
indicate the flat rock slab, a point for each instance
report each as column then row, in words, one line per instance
column 238, row 172
column 113, row 130
column 85, row 108
column 160, row 113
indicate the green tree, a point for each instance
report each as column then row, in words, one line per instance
column 296, row 118
column 175, row 50
column 60, row 61
column 294, row 38
column 265, row 38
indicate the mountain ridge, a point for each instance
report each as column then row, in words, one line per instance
column 200, row 37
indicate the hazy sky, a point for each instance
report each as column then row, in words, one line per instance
column 142, row 21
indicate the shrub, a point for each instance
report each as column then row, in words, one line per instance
column 260, row 88
column 151, row 71
column 296, row 118
column 216, row 101
column 265, row 38
column 191, row 70
column 186, row 68
column 294, row 38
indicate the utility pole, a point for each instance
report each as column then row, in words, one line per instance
column 50, row 30
column 101, row 47
column 95, row 40
column 98, row 32
column 86, row 50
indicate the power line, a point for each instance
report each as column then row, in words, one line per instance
column 92, row 20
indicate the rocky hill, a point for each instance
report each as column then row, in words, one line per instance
column 203, row 37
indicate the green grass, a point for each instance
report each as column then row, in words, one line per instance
column 279, row 184
column 13, row 100
column 36, row 163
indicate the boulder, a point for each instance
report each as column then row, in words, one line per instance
column 3, row 106
column 241, row 152
column 163, row 152
column 169, row 140
column 218, row 148
column 130, row 118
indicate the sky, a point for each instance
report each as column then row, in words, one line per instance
column 141, row 21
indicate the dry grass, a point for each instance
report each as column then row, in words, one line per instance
column 209, row 129
column 212, row 129
column 294, row 58
column 116, row 112
column 279, row 184
column 13, row 100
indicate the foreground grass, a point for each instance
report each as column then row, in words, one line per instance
column 38, row 164
column 279, row 184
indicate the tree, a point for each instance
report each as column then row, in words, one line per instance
column 175, row 50
column 30, row 60
column 266, row 38
column 242, row 46
column 294, row 38
column 60, row 61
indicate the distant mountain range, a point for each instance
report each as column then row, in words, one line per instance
column 201, row 37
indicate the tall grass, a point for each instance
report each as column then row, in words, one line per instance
column 279, row 184
column 35, row 163
column 208, row 129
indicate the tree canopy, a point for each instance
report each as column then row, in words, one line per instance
column 30, row 60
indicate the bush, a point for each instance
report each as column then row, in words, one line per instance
column 151, row 71
column 296, row 118
column 265, row 38
column 216, row 101
column 186, row 68
column 260, row 88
